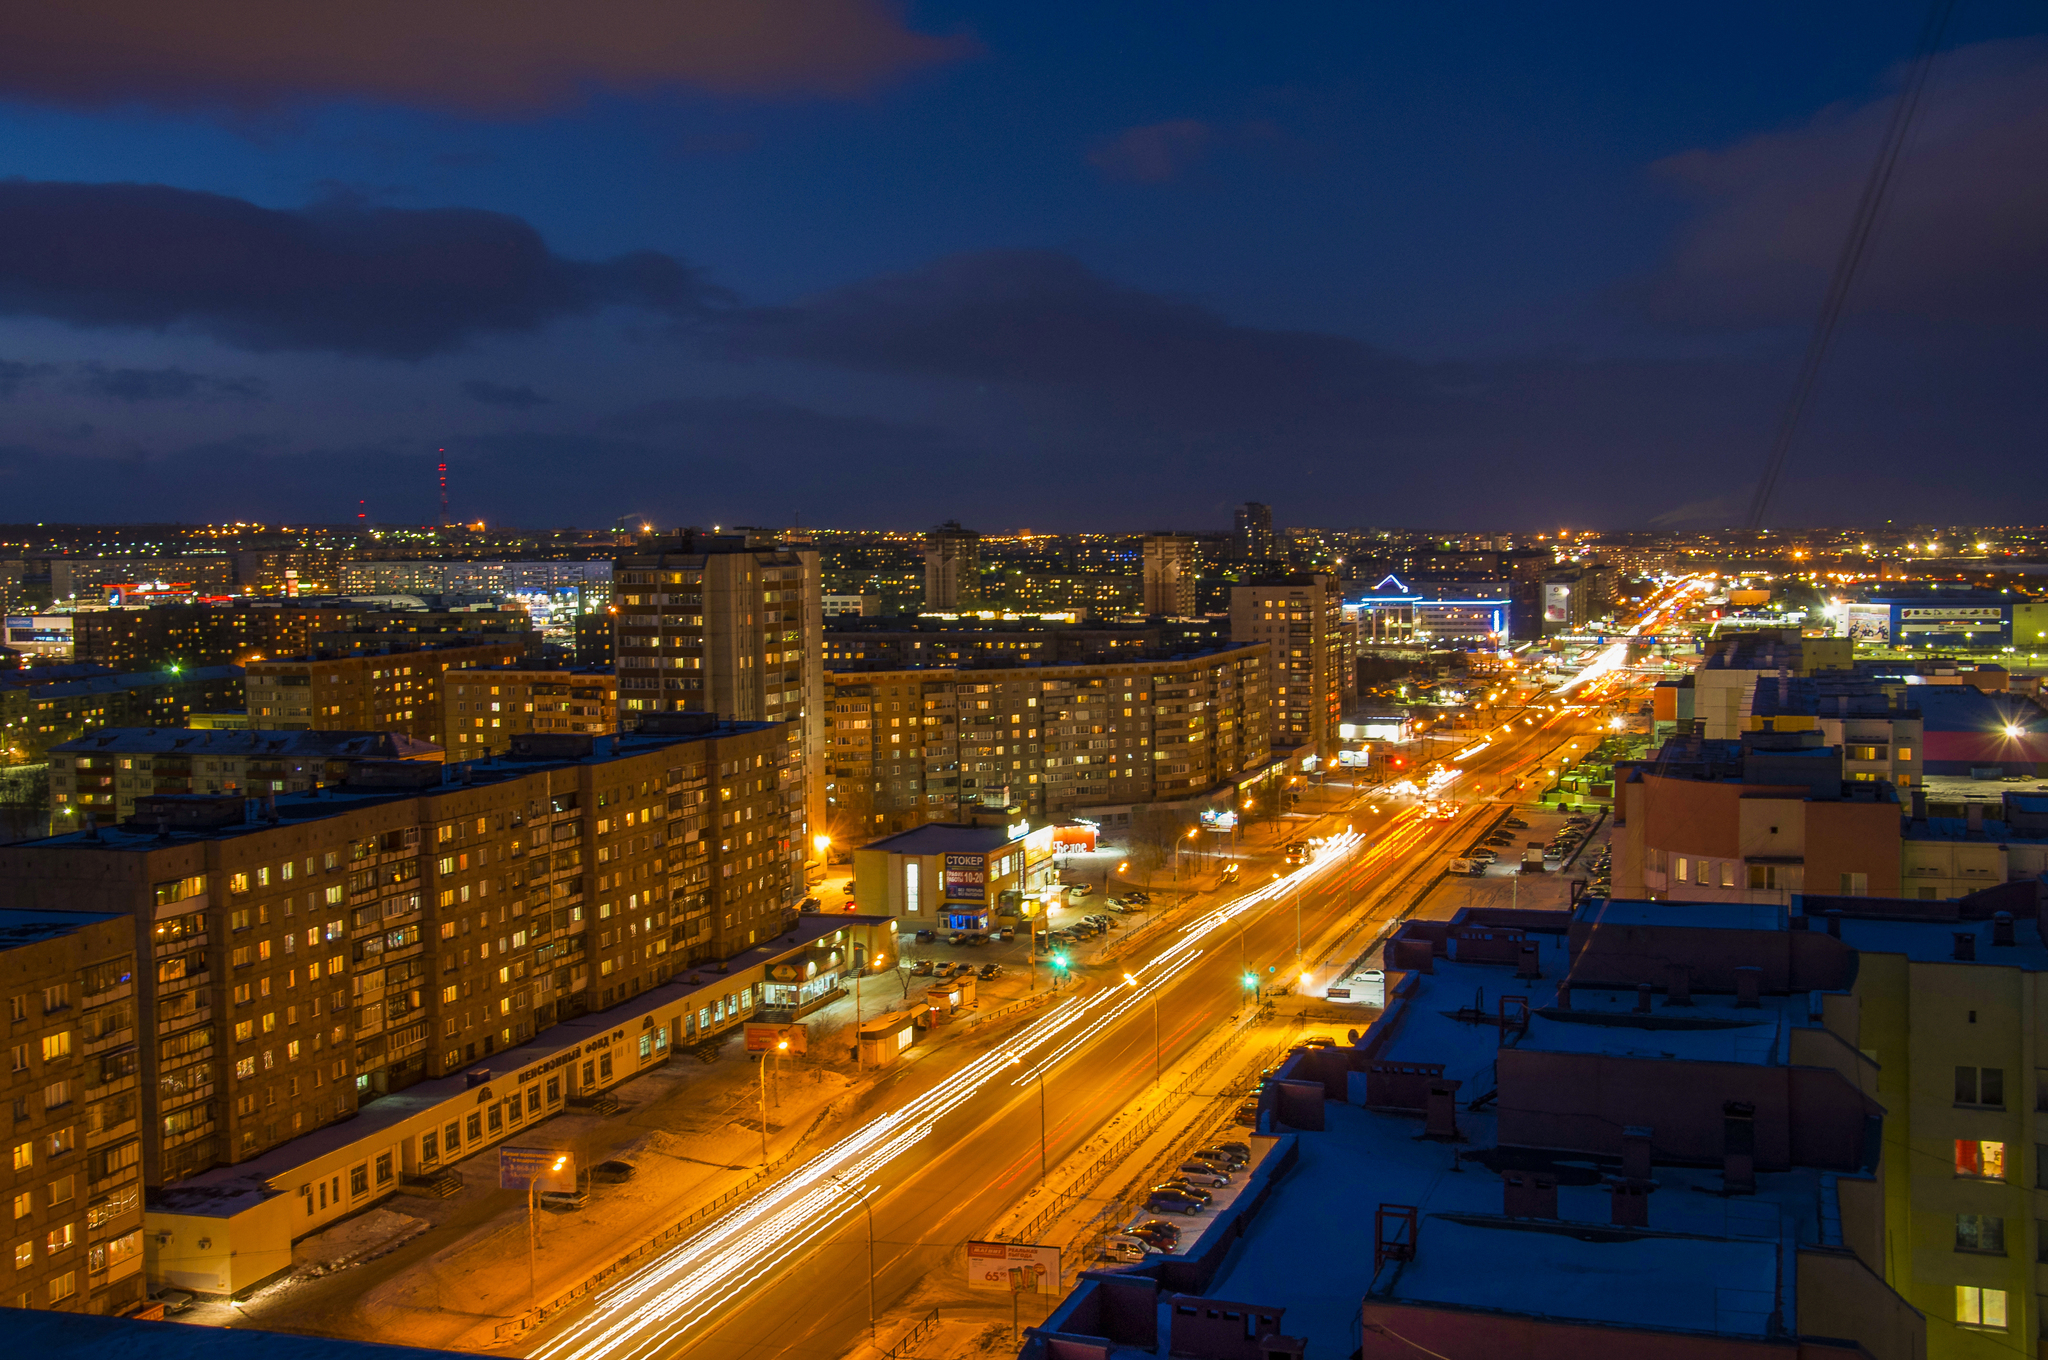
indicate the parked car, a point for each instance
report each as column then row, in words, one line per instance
column 922, row 968
column 1169, row 1202
column 1578, row 821
column 564, row 1201
column 1141, row 898
column 1007, row 933
column 810, row 904
column 1500, row 840
column 1243, row 1150
column 1223, row 1157
column 1078, row 889
column 957, row 937
column 989, row 970
column 1203, row 1173
column 613, row 1172
column 1158, row 1232
column 1124, row 1251
column 1517, row 823
column 1482, row 854
column 927, row 936
column 176, row 1301
column 962, row 969
column 1179, row 1185
column 1246, row 1115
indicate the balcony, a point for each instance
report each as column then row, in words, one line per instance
column 113, row 1133
column 183, row 1021
column 117, row 992
column 172, row 986
column 191, row 1135
column 166, row 948
column 112, row 1040
column 112, row 1088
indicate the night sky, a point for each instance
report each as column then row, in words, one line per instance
column 1047, row 265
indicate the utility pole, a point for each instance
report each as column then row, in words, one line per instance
column 868, row 1207
column 1041, row 1126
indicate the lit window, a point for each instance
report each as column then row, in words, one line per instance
column 1980, row 1307
column 1980, row 1159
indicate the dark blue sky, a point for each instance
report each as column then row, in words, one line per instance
column 1048, row 265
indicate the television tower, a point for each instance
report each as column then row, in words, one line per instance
column 444, row 490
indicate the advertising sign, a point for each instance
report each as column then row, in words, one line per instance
column 1950, row 614
column 1013, row 1268
column 1362, row 756
column 1219, row 819
column 764, row 1038
column 966, row 878
column 1557, row 604
column 551, row 1168
column 1867, row 622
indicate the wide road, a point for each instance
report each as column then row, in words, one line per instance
column 795, row 1281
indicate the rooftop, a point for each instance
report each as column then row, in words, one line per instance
column 18, row 928
column 330, row 745
column 938, row 838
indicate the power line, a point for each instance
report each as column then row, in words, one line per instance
column 1860, row 228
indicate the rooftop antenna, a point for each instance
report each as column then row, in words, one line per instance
column 443, row 468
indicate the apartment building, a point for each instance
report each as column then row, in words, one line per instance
column 1312, row 655
column 106, row 773
column 73, row 1183
column 728, row 624
column 975, row 643
column 1171, row 566
column 1752, row 821
column 47, row 706
column 1725, row 683
column 1877, row 726
column 405, row 691
column 86, row 578
column 952, row 568
column 914, row 745
column 314, row 951
column 189, row 635
column 483, row 709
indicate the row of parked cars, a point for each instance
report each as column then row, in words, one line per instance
column 1189, row 1190
column 931, row 969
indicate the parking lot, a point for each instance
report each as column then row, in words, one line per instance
column 1542, row 829
column 1192, row 1222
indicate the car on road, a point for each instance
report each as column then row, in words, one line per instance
column 1171, row 1202
column 1180, row 1186
column 1203, row 1173
column 922, row 968
column 989, row 970
column 927, row 936
column 1158, row 1232
column 810, row 904
column 1007, row 933
column 1079, row 889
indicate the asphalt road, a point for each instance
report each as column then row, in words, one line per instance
column 948, row 1188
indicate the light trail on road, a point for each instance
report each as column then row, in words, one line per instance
column 649, row 1314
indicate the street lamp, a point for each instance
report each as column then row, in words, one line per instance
column 1157, row 1060
column 533, row 1226
column 869, row 1208
column 781, row 1046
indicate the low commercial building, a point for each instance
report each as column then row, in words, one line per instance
column 1987, row 733
column 73, row 1180
column 957, row 876
column 104, row 774
column 314, row 951
column 1947, row 617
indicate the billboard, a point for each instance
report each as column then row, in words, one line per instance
column 763, row 1038
column 1359, row 758
column 549, row 1168
column 966, row 878
column 1557, row 603
column 1867, row 622
column 1013, row 1268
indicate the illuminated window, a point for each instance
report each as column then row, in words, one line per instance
column 1980, row 1307
column 1986, row 1160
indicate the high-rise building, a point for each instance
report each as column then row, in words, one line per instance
column 730, row 624
column 952, row 568
column 1313, row 663
column 1147, row 726
column 74, row 1179
column 1255, row 538
column 214, row 634
column 1170, row 571
column 313, row 951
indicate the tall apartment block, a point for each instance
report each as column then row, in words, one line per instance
column 729, row 624
column 1255, row 540
column 405, row 691
column 1171, row 567
column 73, row 1183
column 1312, row 654
column 312, row 951
column 916, row 745
column 190, row 635
column 952, row 568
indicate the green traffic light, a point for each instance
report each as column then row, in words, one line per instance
column 1251, row 980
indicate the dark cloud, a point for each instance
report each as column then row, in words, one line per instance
column 520, row 398
column 14, row 376
column 340, row 276
column 166, row 384
column 1154, row 153
column 480, row 57
column 1964, row 236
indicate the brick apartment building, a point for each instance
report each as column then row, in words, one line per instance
column 911, row 746
column 189, row 635
column 44, row 707
column 404, row 691
column 107, row 772
column 73, row 1183
column 313, row 951
column 1312, row 665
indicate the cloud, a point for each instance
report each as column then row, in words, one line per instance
column 1964, row 236
column 520, row 398
column 1154, row 153
column 490, row 58
column 14, row 375
column 338, row 276
column 165, row 384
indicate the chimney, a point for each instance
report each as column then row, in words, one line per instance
column 475, row 1077
column 92, row 825
column 1564, row 995
column 1749, row 982
column 1642, row 998
column 1974, row 812
column 1635, row 1151
column 1442, row 1122
column 1738, row 1148
column 1678, row 987
column 1919, row 805
column 1835, row 922
column 2001, row 929
column 1966, row 945
column 1529, row 1194
column 1529, row 968
column 1630, row 1204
